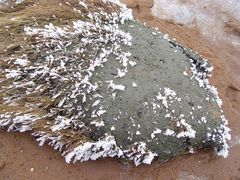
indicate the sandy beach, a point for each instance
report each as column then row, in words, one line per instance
column 22, row 158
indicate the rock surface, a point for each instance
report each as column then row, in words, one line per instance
column 138, row 114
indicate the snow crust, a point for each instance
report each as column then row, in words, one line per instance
column 6, row 1
column 209, row 16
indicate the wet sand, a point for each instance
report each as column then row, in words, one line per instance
column 22, row 158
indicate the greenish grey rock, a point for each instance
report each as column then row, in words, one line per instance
column 159, row 64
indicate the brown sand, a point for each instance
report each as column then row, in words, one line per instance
column 21, row 158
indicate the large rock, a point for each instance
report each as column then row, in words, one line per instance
column 162, row 103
